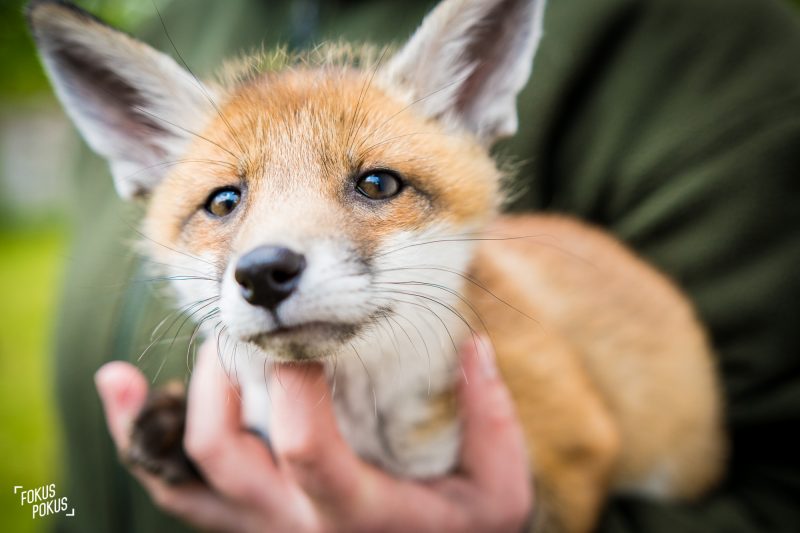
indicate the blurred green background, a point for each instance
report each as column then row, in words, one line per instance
column 36, row 144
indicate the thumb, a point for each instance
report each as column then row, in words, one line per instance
column 493, row 448
column 123, row 390
column 305, row 434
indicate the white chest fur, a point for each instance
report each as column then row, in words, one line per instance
column 384, row 387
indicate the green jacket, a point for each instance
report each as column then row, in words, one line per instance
column 675, row 124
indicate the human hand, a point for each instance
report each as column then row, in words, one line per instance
column 317, row 483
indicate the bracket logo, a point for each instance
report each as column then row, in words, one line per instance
column 43, row 501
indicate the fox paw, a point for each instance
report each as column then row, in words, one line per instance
column 156, row 443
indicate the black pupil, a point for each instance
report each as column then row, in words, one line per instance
column 378, row 186
column 224, row 202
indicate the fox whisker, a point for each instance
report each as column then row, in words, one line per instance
column 168, row 164
column 465, row 277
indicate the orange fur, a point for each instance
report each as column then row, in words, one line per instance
column 613, row 383
column 300, row 134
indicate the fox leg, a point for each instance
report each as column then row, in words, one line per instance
column 156, row 443
column 572, row 438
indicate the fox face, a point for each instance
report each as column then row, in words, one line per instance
column 321, row 202
column 296, row 208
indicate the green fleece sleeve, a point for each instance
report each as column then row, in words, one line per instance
column 676, row 125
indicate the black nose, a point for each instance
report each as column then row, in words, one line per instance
column 268, row 275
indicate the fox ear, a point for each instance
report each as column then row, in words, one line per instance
column 469, row 60
column 133, row 105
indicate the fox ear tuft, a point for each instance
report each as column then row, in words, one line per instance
column 469, row 60
column 133, row 105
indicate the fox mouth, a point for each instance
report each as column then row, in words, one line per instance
column 307, row 330
column 311, row 340
column 307, row 340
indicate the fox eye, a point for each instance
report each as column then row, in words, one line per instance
column 222, row 202
column 379, row 185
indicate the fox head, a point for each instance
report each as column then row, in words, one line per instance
column 298, row 202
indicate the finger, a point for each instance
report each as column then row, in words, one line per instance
column 306, row 437
column 498, row 465
column 233, row 461
column 352, row 494
column 123, row 391
column 194, row 503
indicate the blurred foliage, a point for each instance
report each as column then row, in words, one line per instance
column 28, row 443
column 22, row 75
column 32, row 255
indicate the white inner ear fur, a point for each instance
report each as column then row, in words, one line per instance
column 467, row 63
column 135, row 106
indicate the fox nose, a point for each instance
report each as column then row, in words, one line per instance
column 267, row 275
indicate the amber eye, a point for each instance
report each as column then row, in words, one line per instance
column 379, row 185
column 222, row 202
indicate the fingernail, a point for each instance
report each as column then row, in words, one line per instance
column 101, row 380
column 108, row 383
column 486, row 358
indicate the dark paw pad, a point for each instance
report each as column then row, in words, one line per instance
column 157, row 436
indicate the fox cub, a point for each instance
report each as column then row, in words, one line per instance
column 341, row 206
